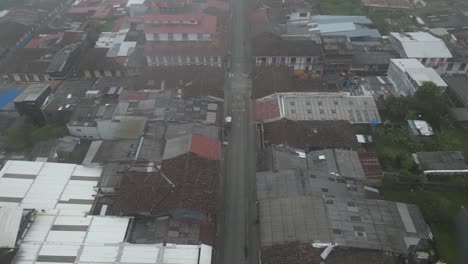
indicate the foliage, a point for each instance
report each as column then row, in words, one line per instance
column 25, row 136
column 340, row 7
column 431, row 103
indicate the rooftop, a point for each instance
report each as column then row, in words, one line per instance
column 443, row 162
column 418, row 72
column 8, row 94
column 420, row 128
column 459, row 86
column 27, row 61
column 42, row 185
column 311, row 135
column 317, row 106
column 422, row 45
column 216, row 47
column 32, row 92
column 11, row 32
column 64, row 236
column 197, row 144
column 268, row 44
column 188, row 181
column 96, row 59
column 393, row 4
column 302, row 253
column 191, row 23
column 68, row 95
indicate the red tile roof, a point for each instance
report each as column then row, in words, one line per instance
column 206, row 24
column 371, row 165
column 267, row 108
column 205, row 146
column 34, row 43
column 217, row 47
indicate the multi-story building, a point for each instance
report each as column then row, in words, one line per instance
column 408, row 74
column 301, row 55
column 427, row 49
column 180, row 27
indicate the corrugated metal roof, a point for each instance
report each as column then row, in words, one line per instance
column 10, row 219
column 48, row 185
column 422, row 45
column 103, row 242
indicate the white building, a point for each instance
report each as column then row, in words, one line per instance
column 179, row 27
column 429, row 50
column 408, row 74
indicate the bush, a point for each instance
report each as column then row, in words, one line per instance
column 25, row 136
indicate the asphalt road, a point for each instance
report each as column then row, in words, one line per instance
column 238, row 230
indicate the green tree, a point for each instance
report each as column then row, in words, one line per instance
column 396, row 108
column 431, row 103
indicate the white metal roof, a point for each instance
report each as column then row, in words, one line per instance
column 419, row 72
column 43, row 185
column 10, row 219
column 422, row 45
column 98, row 239
column 135, row 2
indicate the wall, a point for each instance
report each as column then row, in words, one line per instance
column 399, row 79
column 84, row 131
column 177, row 37
column 107, row 129
column 300, row 64
column 184, row 60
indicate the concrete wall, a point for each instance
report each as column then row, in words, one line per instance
column 177, row 37
column 184, row 60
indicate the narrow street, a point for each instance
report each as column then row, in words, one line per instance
column 239, row 231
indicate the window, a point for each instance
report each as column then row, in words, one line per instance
column 309, row 111
column 292, row 103
column 312, row 176
column 462, row 67
column 308, row 59
column 156, row 36
column 303, row 14
column 192, row 59
column 215, row 59
column 333, row 111
column 273, row 60
column 262, row 60
column 355, row 218
column 360, row 234
column 358, row 228
column 322, row 112
column 283, row 60
column 331, row 179
column 200, row 36
column 341, row 180
column 293, row 60
column 319, row 102
column 423, row 61
column 337, row 231
column 450, row 66
column 307, row 68
column 78, row 130
column 170, row 36
column 335, row 102
column 352, row 188
column 433, row 60
column 293, row 111
column 441, row 60
column 307, row 102
column 351, row 204
column 184, row 36
column 330, row 202
column 324, row 189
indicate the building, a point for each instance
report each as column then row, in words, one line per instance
column 316, row 106
column 8, row 94
column 408, row 75
column 302, row 55
column 358, row 30
column 186, row 53
column 419, row 129
column 196, row 26
column 30, row 101
column 63, row 61
column 402, row 5
column 95, row 63
column 13, row 36
column 14, row 223
column 427, row 49
column 60, row 107
column 309, row 135
column 380, row 87
column 26, row 65
column 115, row 42
column 371, row 62
column 442, row 162
column 458, row 97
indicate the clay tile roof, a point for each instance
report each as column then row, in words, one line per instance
column 269, row 44
column 205, row 146
column 311, row 135
column 267, row 108
column 371, row 165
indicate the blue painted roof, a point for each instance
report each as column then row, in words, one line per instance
column 6, row 98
